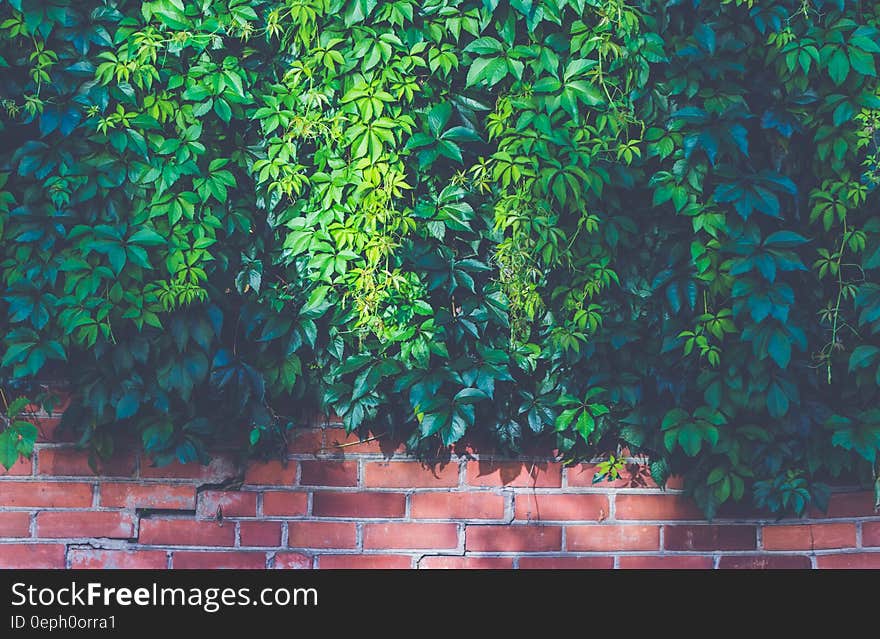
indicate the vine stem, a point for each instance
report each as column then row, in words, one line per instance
column 834, row 322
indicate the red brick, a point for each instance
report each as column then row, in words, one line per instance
column 710, row 537
column 633, row 476
column 666, row 562
column 364, row 562
column 871, row 533
column 260, row 533
column 218, row 470
column 543, row 507
column 410, row 474
column 513, row 538
column 810, row 536
column 432, row 536
column 856, row 560
column 232, row 503
column 764, row 562
column 321, row 534
column 15, row 524
column 48, row 430
column 656, row 507
column 60, row 462
column 212, row 560
column 23, row 466
column 91, row 523
column 329, row 473
column 45, row 494
column 131, row 495
column 563, row 562
column 285, row 503
column 515, row 474
column 477, row 443
column 610, row 537
column 338, row 441
column 330, row 418
column 466, row 563
column 851, row 504
column 272, row 473
column 292, row 561
column 361, row 505
column 457, row 505
column 31, row 555
column 306, row 441
column 91, row 558
column 186, row 532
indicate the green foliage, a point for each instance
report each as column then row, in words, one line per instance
column 18, row 436
column 607, row 225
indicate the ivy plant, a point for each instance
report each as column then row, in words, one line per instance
column 618, row 227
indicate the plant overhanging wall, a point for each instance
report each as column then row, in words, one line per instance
column 607, row 224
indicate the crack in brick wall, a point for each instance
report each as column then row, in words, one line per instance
column 366, row 505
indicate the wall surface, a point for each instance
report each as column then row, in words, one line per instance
column 338, row 503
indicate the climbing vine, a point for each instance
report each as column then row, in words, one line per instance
column 621, row 227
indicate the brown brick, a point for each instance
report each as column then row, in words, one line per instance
column 59, row 462
column 15, row 524
column 849, row 504
column 810, row 536
column 457, row 505
column 329, row 473
column 544, row 507
column 94, row 559
column 362, row 505
column 321, row 534
column 285, row 503
column 45, row 494
column 514, row 474
column 656, row 507
column 272, row 473
column 853, row 560
column 566, row 562
column 707, row 537
column 409, row 474
column 665, row 562
column 306, row 441
column 159, row 496
column 433, row 536
column 871, row 533
column 218, row 470
column 364, row 562
column 32, row 555
column 609, row 538
column 186, row 532
column 513, row 538
column 292, row 561
column 22, row 467
column 448, row 562
column 213, row 560
column 90, row 523
column 260, row 533
column 764, row 562
column 232, row 503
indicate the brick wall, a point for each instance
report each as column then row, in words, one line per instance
column 338, row 503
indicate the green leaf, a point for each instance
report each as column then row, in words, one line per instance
column 862, row 356
column 8, row 448
column 690, row 437
column 673, row 418
column 779, row 348
column 147, row 237
column 585, row 424
column 486, row 70
column 838, row 66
